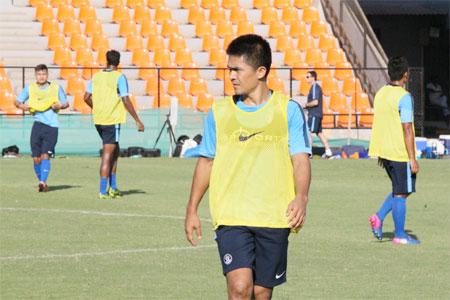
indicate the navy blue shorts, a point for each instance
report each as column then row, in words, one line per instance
column 264, row 250
column 43, row 139
column 109, row 134
column 403, row 181
column 315, row 124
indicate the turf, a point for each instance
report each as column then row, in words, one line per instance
column 69, row 244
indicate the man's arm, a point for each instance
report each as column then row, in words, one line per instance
column 88, row 99
column 200, row 184
column 22, row 98
column 408, row 135
column 62, row 104
column 311, row 103
column 129, row 107
column 296, row 211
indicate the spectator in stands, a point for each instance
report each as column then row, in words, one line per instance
column 43, row 99
column 392, row 141
column 258, row 178
column 437, row 97
column 107, row 95
column 314, row 105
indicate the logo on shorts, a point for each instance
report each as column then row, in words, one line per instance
column 227, row 259
column 278, row 276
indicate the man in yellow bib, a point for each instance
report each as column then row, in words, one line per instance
column 43, row 99
column 255, row 161
column 392, row 141
column 107, row 95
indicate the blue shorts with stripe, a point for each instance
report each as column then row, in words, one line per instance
column 403, row 181
column 315, row 124
column 110, row 134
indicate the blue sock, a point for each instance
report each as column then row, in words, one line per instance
column 103, row 184
column 45, row 169
column 386, row 207
column 112, row 181
column 399, row 216
column 37, row 170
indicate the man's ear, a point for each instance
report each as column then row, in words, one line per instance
column 261, row 71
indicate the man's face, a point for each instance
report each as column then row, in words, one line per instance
column 309, row 78
column 243, row 76
column 41, row 76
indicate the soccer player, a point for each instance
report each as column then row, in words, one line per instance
column 255, row 160
column 43, row 99
column 107, row 95
column 392, row 141
column 315, row 110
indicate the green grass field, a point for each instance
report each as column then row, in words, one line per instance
column 69, row 244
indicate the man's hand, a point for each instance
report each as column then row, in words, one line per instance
column 296, row 212
column 56, row 106
column 414, row 166
column 24, row 107
column 140, row 126
column 191, row 224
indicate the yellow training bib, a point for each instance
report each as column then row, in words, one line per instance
column 42, row 99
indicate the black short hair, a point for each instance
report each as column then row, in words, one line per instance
column 198, row 138
column 397, row 67
column 255, row 50
column 113, row 58
column 313, row 74
column 40, row 67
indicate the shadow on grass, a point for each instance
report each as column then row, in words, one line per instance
column 131, row 192
column 389, row 236
column 52, row 188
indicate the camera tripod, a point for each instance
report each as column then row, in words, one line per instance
column 172, row 138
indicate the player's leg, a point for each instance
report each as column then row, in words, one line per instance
column 271, row 246
column 323, row 139
column 49, row 140
column 114, row 191
column 36, row 144
column 237, row 254
column 105, row 167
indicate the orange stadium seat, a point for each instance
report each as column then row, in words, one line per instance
column 276, row 84
column 184, row 100
column 155, row 3
column 176, row 42
column 36, row 3
column 7, row 100
column 186, row 4
column 163, row 100
column 216, row 13
column 221, row 71
column 148, row 27
column 66, row 12
column 151, row 87
column 161, row 56
column 318, row 28
column 79, row 105
column 204, row 102
column 304, row 87
column 61, row 55
column 366, row 117
column 170, row 69
column 93, row 27
column 56, row 40
column 5, row 84
column 224, row 27
column 229, row 4
column 337, row 100
column 135, row 3
column 291, row 57
column 77, row 41
column 343, row 119
column 176, row 84
column 43, row 11
column 155, row 42
column 360, row 101
column 269, row 14
column 49, row 26
column 298, row 28
column 343, row 70
column 84, row 56
column 289, row 15
column 322, row 69
column 351, row 86
column 99, row 41
column 182, row 56
column 260, row 4
column 207, row 4
column 281, row 3
column 140, row 57
column 142, row 13
column 300, row 73
column 71, row 26
column 329, row 85
column 198, row 86
column 203, row 28
column 302, row 3
column 217, row 56
column 245, row 27
column 209, row 42
column 56, row 3
column 326, row 42
column 277, row 29
column 190, row 74
column 169, row 27
column 228, row 88
column 80, row 3
column 68, row 69
column 89, row 69
column 127, row 28
column 113, row 3
column 335, row 56
column 134, row 42
column 313, row 56
column 162, row 14
column 227, row 39
column 284, row 42
column 101, row 56
column 86, row 12
column 146, row 71
column 75, row 85
column 196, row 14
column 310, row 14
column 237, row 15
column 121, row 13
column 328, row 118
column 305, row 42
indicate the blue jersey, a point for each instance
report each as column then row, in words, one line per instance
column 48, row 117
column 298, row 136
column 315, row 93
column 406, row 108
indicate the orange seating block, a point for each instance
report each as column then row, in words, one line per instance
column 169, row 70
column 304, row 87
column 75, row 85
column 184, row 99
column 176, row 42
column 227, row 40
column 198, row 87
column 210, row 42
column 155, row 42
column 299, row 71
column 141, row 14
column 268, row 15
column 77, row 41
column 183, row 56
column 216, row 13
column 61, row 55
column 101, row 56
column 289, row 15
column 217, row 56
column 327, row 42
column 284, row 42
column 7, row 103
column 79, row 105
column 313, row 56
column 335, row 56
column 163, row 100
column 230, row 4
column 186, row 4
column 203, row 28
column 155, row 3
column 260, row 4
column 204, row 102
column 281, row 3
column 162, row 14
column 221, row 71
column 80, row 3
column 360, row 101
column 134, row 42
column 161, row 56
column 113, row 3
column 169, row 27
column 121, row 13
column 328, row 120
column 310, row 14
column 344, row 118
column 189, row 71
column 43, row 11
column 86, row 12
column 68, row 69
column 56, row 40
column 93, row 27
column 176, row 84
column 224, row 28
column 147, row 70
column 318, row 28
column 329, row 85
column 140, row 57
column 337, row 100
column 196, row 14
column 302, row 3
column 305, row 42
column 71, row 27
column 36, row 3
column 99, row 41
column 228, row 88
column 84, row 56
column 291, row 57
column 366, row 117
column 322, row 69
column 298, row 28
column 351, row 86
column 49, row 26
column 343, row 70
column 276, row 84
column 135, row 3
column 148, row 27
column 207, row 4
column 277, row 29
column 151, row 87
column 66, row 12
column 245, row 27
column 89, row 69
column 5, row 84
column 127, row 28
column 237, row 15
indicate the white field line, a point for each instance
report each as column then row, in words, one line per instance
column 102, row 253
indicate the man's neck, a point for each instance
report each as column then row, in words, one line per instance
column 42, row 84
column 258, row 96
column 398, row 83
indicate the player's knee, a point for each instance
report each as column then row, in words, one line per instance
column 262, row 293
column 37, row 160
column 240, row 290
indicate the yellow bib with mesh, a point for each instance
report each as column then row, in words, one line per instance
column 108, row 108
column 42, row 99
column 252, row 179
column 387, row 139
